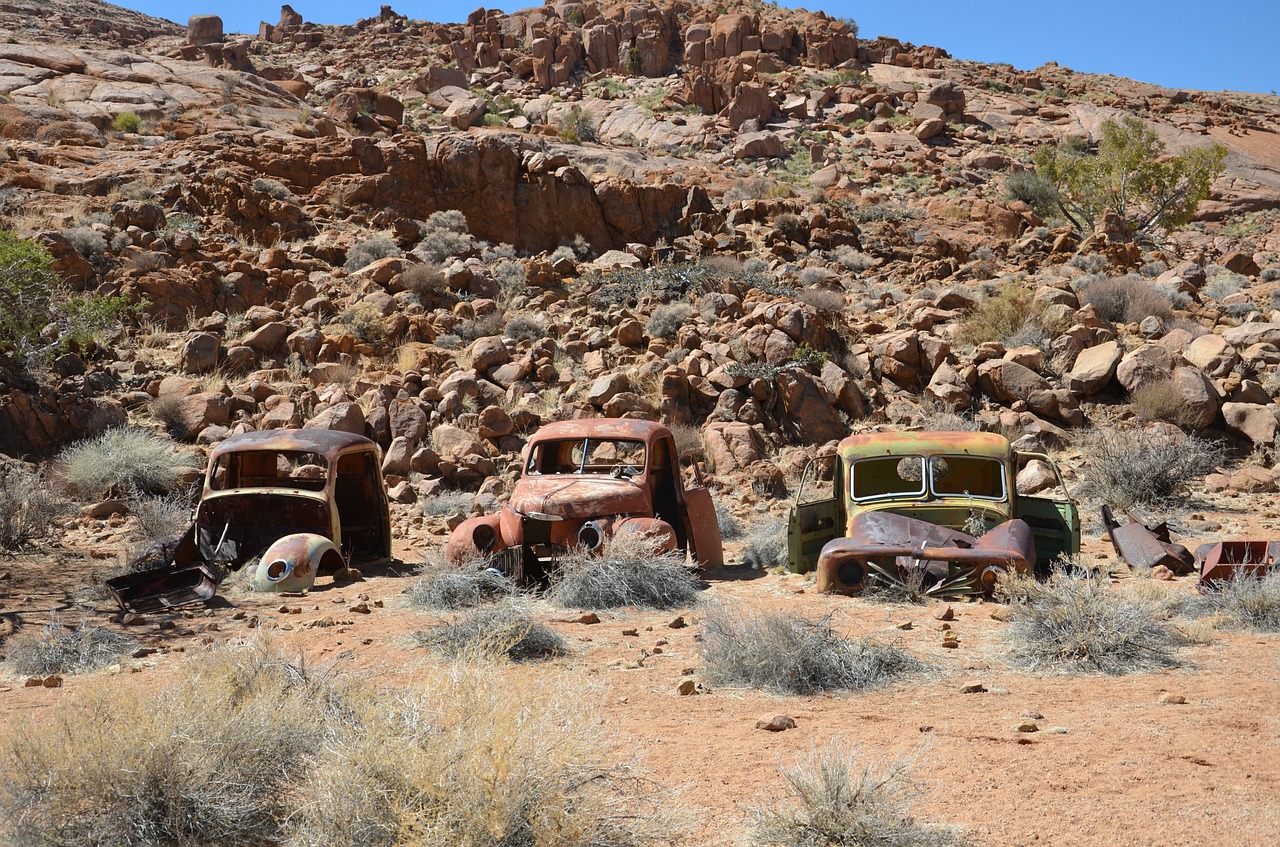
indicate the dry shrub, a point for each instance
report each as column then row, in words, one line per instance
column 766, row 545
column 27, row 507
column 1005, row 315
column 503, row 631
column 426, row 280
column 625, row 571
column 786, row 654
column 1126, row 299
column 836, row 797
column 471, row 585
column 59, row 649
column 365, row 322
column 1247, row 601
column 124, row 460
column 1077, row 623
column 667, row 319
column 248, row 746
column 688, row 440
column 526, row 328
column 730, row 527
column 211, row 758
column 370, row 249
column 1159, row 401
column 168, row 410
column 446, row 503
column 822, row 300
column 1127, row 468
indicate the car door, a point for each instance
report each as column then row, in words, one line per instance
column 1054, row 518
column 816, row 514
column 700, row 524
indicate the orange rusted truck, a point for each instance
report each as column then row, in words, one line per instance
column 584, row 481
column 940, row 507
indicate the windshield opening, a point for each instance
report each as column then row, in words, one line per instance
column 948, row 476
column 301, row 469
column 587, row 456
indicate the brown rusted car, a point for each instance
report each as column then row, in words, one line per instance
column 290, row 504
column 584, row 481
column 940, row 508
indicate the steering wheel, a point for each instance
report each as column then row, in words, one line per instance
column 622, row 471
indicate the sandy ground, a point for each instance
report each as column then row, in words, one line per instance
column 1111, row 764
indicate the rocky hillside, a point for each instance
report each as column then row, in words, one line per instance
column 752, row 224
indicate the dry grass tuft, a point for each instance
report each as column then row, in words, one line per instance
column 503, row 631
column 249, row 746
column 782, row 653
column 766, row 545
column 1077, row 623
column 27, row 507
column 835, row 797
column 465, row 588
column 625, row 571
column 1246, row 602
column 57, row 649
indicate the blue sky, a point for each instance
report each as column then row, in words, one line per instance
column 1228, row 44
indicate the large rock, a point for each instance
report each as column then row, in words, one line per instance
column 1150, row 363
column 343, row 417
column 1246, row 335
column 733, row 446
column 1213, row 354
column 807, row 410
column 200, row 353
column 1255, row 422
column 489, row 352
column 758, row 145
column 190, row 414
column 1094, row 368
column 204, row 29
column 1200, row 399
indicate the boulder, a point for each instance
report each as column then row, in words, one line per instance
column 343, row 417
column 1201, row 401
column 732, row 446
column 1094, row 368
column 1213, row 354
column 204, row 29
column 489, row 352
column 808, row 412
column 759, row 145
column 1255, row 422
column 200, row 353
column 1148, row 364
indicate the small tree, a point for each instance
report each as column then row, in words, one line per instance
column 1130, row 175
column 27, row 289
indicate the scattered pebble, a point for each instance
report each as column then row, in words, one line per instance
column 776, row 723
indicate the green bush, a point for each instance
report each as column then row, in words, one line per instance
column 1034, row 190
column 126, row 122
column 28, row 292
column 1130, row 175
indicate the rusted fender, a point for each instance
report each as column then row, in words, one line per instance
column 882, row 536
column 1141, row 546
column 473, row 539
column 292, row 563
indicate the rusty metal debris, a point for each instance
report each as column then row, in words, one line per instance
column 889, row 547
column 1223, row 560
column 155, row 591
column 1142, row 546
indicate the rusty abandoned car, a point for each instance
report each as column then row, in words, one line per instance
column 290, row 504
column 941, row 508
column 584, row 481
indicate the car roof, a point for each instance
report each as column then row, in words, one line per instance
column 327, row 442
column 614, row 428
column 925, row 443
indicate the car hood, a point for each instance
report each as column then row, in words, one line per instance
column 578, row 498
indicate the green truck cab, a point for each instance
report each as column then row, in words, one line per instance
column 961, row 481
